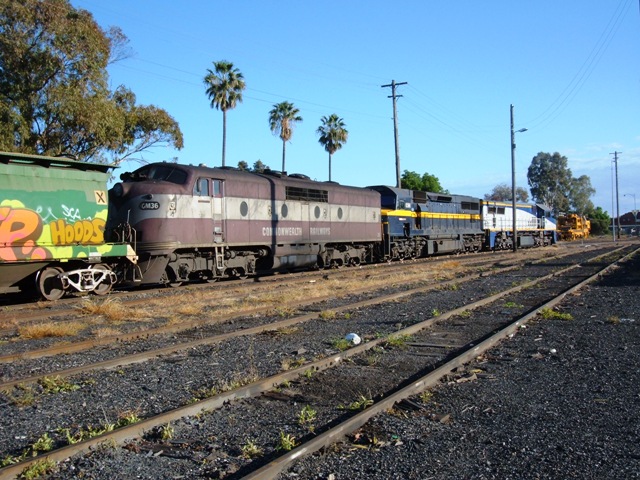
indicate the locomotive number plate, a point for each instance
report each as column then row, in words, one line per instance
column 149, row 205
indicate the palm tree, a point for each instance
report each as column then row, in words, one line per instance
column 224, row 85
column 333, row 135
column 282, row 118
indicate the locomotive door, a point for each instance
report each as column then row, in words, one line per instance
column 209, row 204
column 217, row 207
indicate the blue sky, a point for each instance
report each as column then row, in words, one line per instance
column 570, row 68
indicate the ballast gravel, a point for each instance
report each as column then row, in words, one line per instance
column 558, row 400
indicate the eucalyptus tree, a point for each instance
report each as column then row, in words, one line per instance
column 282, row 118
column 425, row 183
column 333, row 135
column 503, row 193
column 54, row 91
column 225, row 84
column 550, row 181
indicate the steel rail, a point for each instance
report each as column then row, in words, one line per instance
column 329, row 437
column 268, row 471
column 145, row 356
column 75, row 347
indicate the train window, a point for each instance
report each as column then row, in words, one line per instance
column 284, row 210
column 340, row 213
column 244, row 209
column 201, row 187
column 168, row 174
column 470, row 206
column 217, row 188
column 316, row 211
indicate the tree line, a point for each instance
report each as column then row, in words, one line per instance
column 551, row 183
column 55, row 100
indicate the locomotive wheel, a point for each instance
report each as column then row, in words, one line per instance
column 169, row 279
column 237, row 273
column 103, row 288
column 48, row 283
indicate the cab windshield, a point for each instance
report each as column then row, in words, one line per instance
column 167, row 173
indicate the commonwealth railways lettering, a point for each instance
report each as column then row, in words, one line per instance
column 281, row 231
column 294, row 231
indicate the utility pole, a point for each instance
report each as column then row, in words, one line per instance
column 393, row 95
column 514, row 233
column 617, row 214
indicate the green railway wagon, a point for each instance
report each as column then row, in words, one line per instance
column 53, row 213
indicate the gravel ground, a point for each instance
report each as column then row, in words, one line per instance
column 497, row 427
column 560, row 400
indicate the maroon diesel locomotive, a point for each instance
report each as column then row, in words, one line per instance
column 194, row 223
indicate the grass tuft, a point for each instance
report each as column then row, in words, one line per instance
column 50, row 329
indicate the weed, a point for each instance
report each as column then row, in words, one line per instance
column 9, row 460
column 360, row 404
column 286, row 442
column 426, row 396
column 614, row 320
column 24, row 398
column 435, row 312
column 327, row 315
column 550, row 314
column 50, row 329
column 372, row 359
column 166, row 432
column 190, row 309
column 111, row 309
column 204, row 392
column 285, row 311
column 288, row 330
column 398, row 341
column 127, row 418
column 307, row 417
column 251, row 450
column 308, row 373
column 513, row 305
column 57, row 384
column 38, row 469
column 43, row 444
column 347, row 316
column 341, row 344
column 292, row 363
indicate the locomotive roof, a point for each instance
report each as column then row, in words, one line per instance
column 51, row 162
column 432, row 196
column 273, row 176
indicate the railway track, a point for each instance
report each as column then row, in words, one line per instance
column 449, row 336
column 174, row 343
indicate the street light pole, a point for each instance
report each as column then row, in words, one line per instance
column 634, row 199
column 513, row 181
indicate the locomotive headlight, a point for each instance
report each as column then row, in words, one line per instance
column 118, row 190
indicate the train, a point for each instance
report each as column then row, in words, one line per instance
column 573, row 227
column 195, row 223
column 53, row 213
column 170, row 223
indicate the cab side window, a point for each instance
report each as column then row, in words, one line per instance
column 201, row 187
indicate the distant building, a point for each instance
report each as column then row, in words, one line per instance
column 630, row 223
